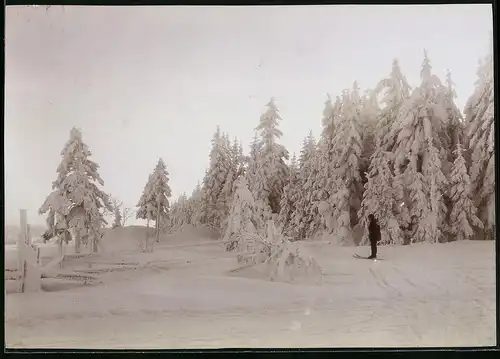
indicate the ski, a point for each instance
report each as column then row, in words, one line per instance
column 357, row 256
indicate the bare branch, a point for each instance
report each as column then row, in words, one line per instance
column 127, row 213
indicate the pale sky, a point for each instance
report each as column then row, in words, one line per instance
column 145, row 82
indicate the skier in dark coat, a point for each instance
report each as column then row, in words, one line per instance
column 374, row 235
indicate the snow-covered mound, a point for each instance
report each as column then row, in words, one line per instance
column 126, row 238
column 188, row 232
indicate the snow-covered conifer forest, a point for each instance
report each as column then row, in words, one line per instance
column 261, row 252
column 409, row 156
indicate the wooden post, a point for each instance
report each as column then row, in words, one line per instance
column 29, row 271
column 21, row 239
column 21, row 242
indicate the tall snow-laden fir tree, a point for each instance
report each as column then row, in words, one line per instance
column 77, row 203
column 383, row 195
column 479, row 134
column 180, row 213
column 252, row 162
column 235, row 162
column 437, row 216
column 345, row 198
column 419, row 157
column 395, row 92
column 309, row 171
column 195, row 205
column 453, row 130
column 379, row 198
column 454, row 125
column 291, row 192
column 154, row 203
column 305, row 218
column 145, row 209
column 329, row 120
column 368, row 118
column 320, row 182
column 463, row 218
column 118, row 217
column 212, row 205
column 272, row 171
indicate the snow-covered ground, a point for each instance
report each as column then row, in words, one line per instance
column 185, row 295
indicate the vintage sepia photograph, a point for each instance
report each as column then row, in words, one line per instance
column 200, row 177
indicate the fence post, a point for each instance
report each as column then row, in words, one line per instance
column 29, row 270
column 21, row 250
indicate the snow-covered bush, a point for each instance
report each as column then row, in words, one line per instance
column 282, row 259
column 242, row 216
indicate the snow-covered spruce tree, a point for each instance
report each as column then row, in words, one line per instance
column 242, row 216
column 179, row 213
column 252, row 163
column 308, row 173
column 195, row 205
column 453, row 130
column 117, row 213
column 454, row 125
column 305, row 219
column 437, row 216
column 174, row 216
column 368, row 120
column 320, row 182
column 345, row 197
column 272, row 171
column 235, row 169
column 242, row 160
column 77, row 203
column 154, row 203
column 383, row 192
column 379, row 199
column 203, row 205
column 463, row 216
column 225, row 198
column 479, row 136
column 418, row 203
column 291, row 192
column 118, row 217
column 144, row 208
column 395, row 91
column 212, row 206
column 419, row 157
